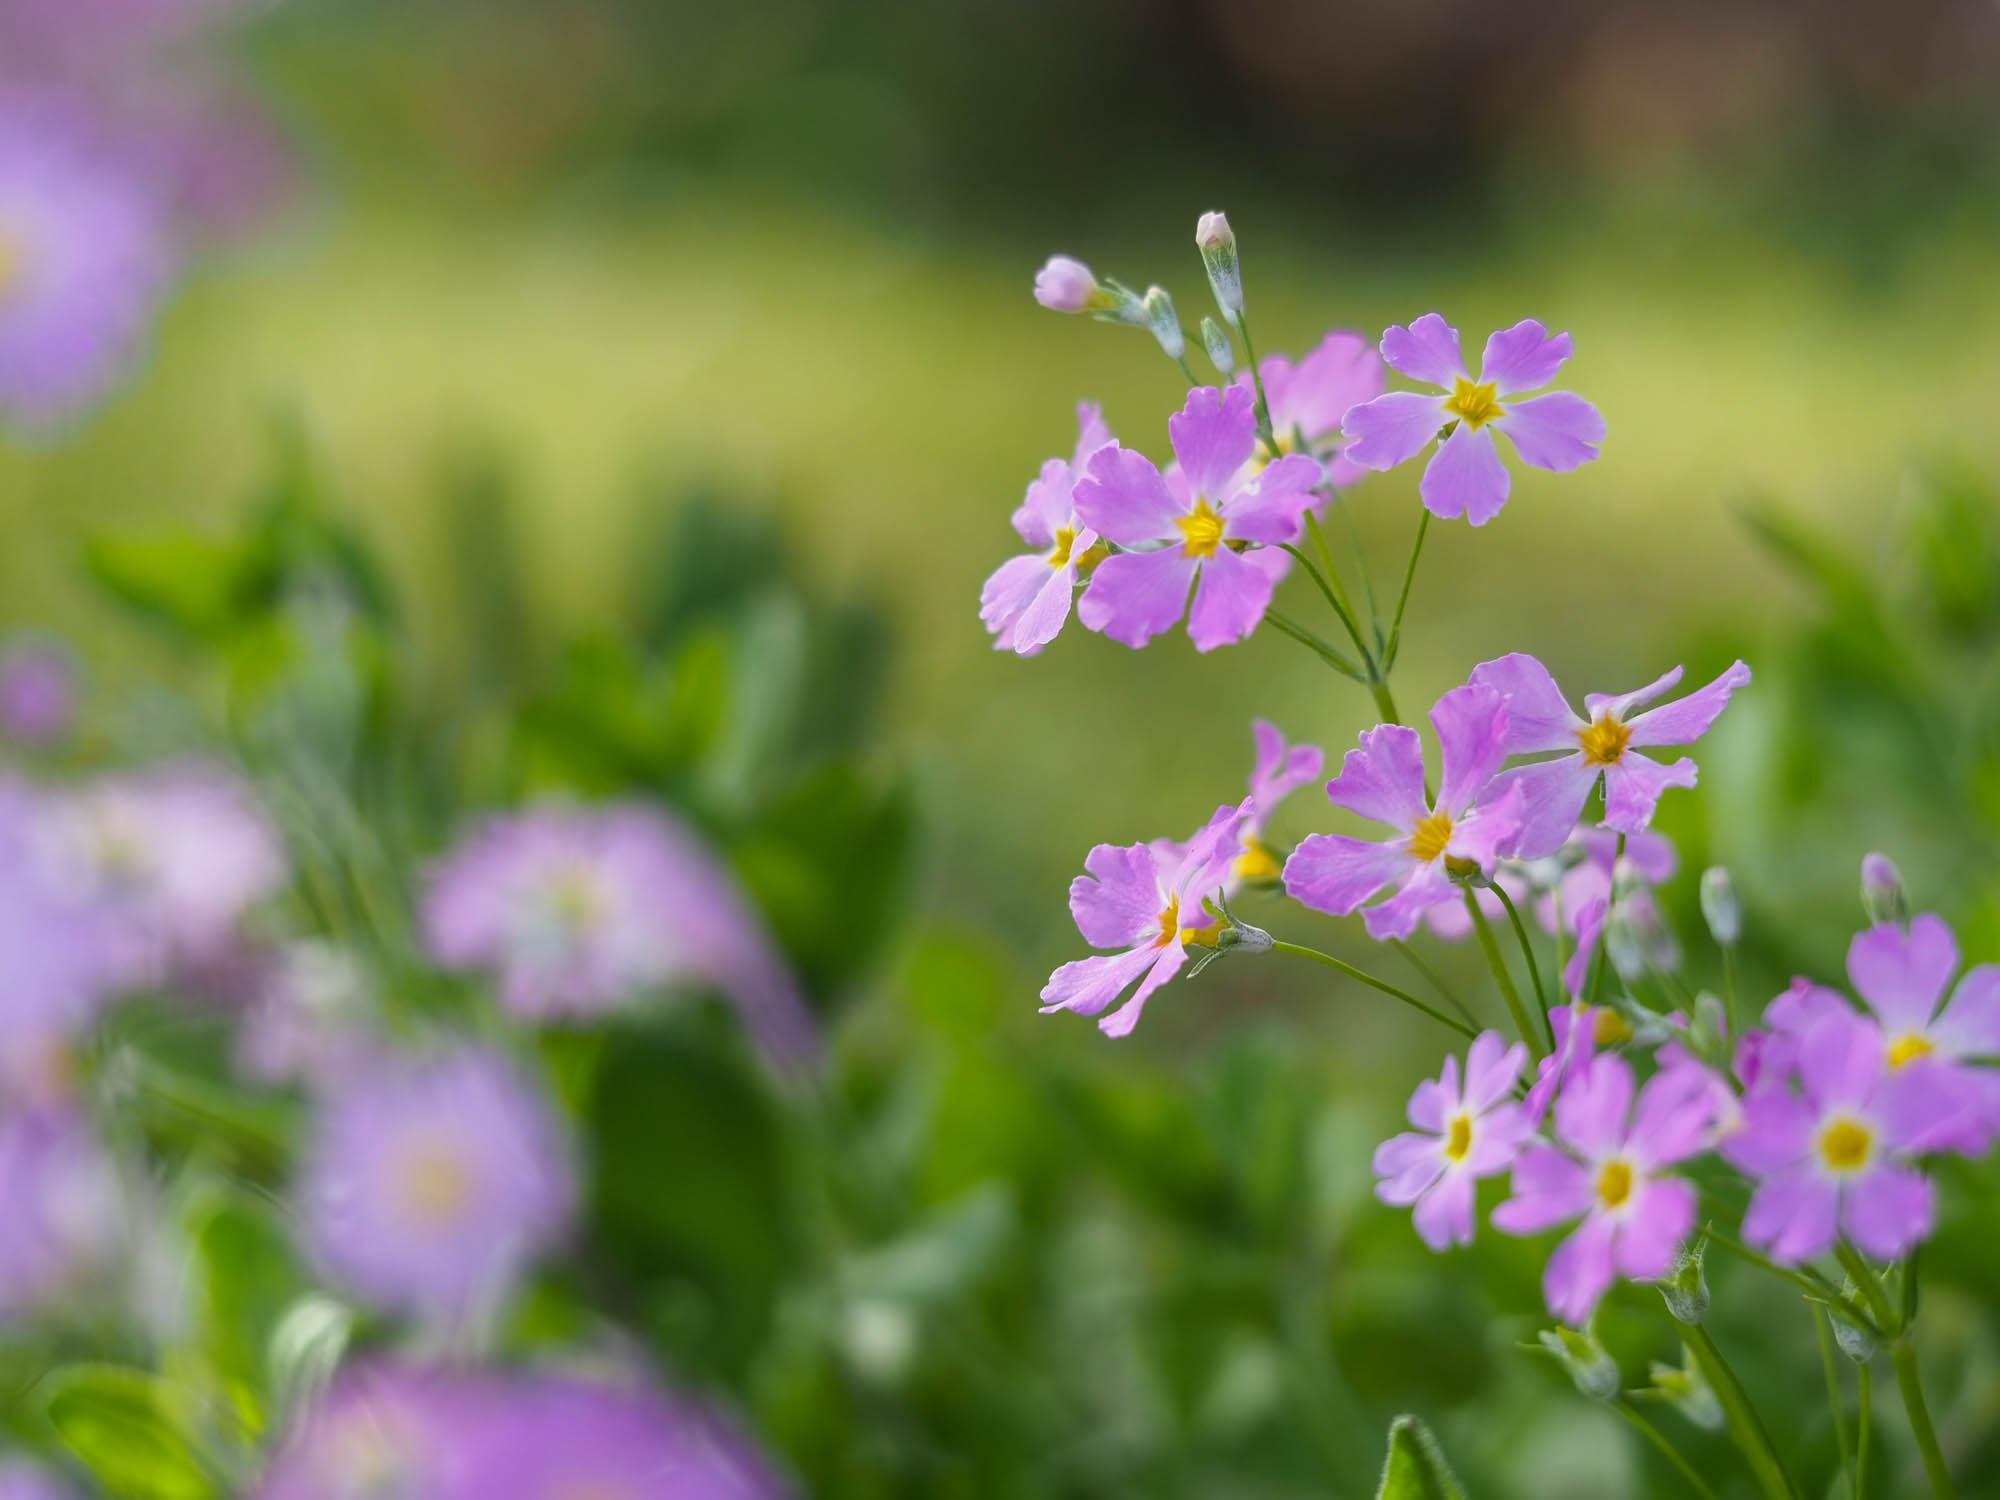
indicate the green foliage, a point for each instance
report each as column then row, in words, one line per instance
column 134, row 1432
column 1415, row 1468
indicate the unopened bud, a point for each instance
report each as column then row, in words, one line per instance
column 1217, row 242
column 1165, row 322
column 1685, row 1387
column 1882, row 890
column 1636, row 936
column 1588, row 1363
column 1719, row 906
column 1067, row 286
column 1221, row 352
column 1242, row 937
column 1856, row 1342
column 1684, row 1287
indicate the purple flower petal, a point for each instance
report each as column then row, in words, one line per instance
column 1589, row 928
column 1633, row 787
column 1443, row 1216
column 1123, row 498
column 1840, row 1061
column 1686, row 720
column 1122, row 1020
column 1553, row 793
column 1775, row 1133
column 1383, row 779
column 1333, row 873
column 1008, row 594
column 1491, row 1068
column 1399, row 1157
column 1489, row 830
column 1134, row 596
column 1271, row 509
column 1471, row 727
column 1312, row 397
column 1523, row 358
column 1046, row 507
column 1558, row 432
column 1042, row 621
column 1672, row 1118
column 1427, row 350
column 1902, row 975
column 1592, row 1110
column 1620, row 705
column 1465, row 478
column 1280, row 770
column 1970, row 1025
column 1435, row 1100
column 1229, row 601
column 1398, row 916
column 1887, row 1210
column 1392, row 429
column 1538, row 716
column 1117, row 903
column 1091, row 433
column 1580, row 1271
column 1206, row 858
column 1656, row 1221
column 1498, row 1138
column 1550, row 1187
column 1213, row 436
column 1089, row 985
column 1793, row 1214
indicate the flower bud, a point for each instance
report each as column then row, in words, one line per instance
column 1589, row 1365
column 1221, row 352
column 1067, row 286
column 1686, row 1388
column 1684, row 1287
column 1165, row 322
column 1856, row 1342
column 1882, row 890
column 1242, row 937
column 1719, row 906
column 1217, row 242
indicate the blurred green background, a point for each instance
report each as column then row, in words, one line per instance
column 559, row 268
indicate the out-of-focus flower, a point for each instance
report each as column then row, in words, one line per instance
column 84, row 261
column 1026, row 601
column 1147, row 900
column 1460, row 1138
column 433, row 1183
column 1841, row 1155
column 25, row 1481
column 1281, row 769
column 1882, row 895
column 1450, row 922
column 1463, row 831
column 311, row 1018
column 581, row 911
column 1579, row 1031
column 65, row 1222
column 386, row 1430
column 1720, row 908
column 1608, row 1170
column 1557, row 431
column 1540, row 719
column 1309, row 400
column 1218, row 505
column 38, row 692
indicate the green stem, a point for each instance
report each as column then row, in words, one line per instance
column 1835, row 1402
column 1729, row 987
column 1181, row 360
column 1534, row 970
column 1864, row 1422
column 1372, row 982
column 1667, row 1450
column 1815, row 1286
column 1385, row 704
column 1313, row 643
column 1871, row 1287
column 1403, row 599
column 1744, row 1422
column 1903, row 1355
column 1257, row 379
column 1603, row 933
column 1432, row 977
column 1494, row 961
column 1361, row 566
column 1333, row 600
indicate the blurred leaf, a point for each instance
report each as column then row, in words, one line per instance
column 944, row 1255
column 307, row 1344
column 247, row 1276
column 131, row 1430
column 1415, row 1468
column 199, row 587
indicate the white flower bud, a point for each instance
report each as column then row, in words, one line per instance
column 1882, row 895
column 1217, row 242
column 1165, row 322
column 1719, row 906
column 1221, row 352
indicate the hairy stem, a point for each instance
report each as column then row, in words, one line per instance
column 1403, row 599
column 1836, row 1404
column 1744, row 1423
column 1339, row 608
column 1534, row 970
column 1903, row 1355
column 1501, row 977
column 1434, row 979
column 1313, row 643
column 1372, row 982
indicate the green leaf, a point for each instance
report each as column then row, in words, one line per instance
column 131, row 1430
column 1415, row 1468
column 196, row 586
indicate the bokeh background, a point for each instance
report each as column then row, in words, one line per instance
column 568, row 299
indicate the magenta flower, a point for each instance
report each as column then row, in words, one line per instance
column 83, row 265
column 1224, row 506
column 1281, row 769
column 1309, row 400
column 1840, row 1155
column 1580, row 1030
column 1026, row 601
column 38, row 692
column 1462, row 832
column 433, row 1184
column 1557, row 431
column 1604, row 746
column 1149, row 901
column 1607, row 1169
column 1460, row 1138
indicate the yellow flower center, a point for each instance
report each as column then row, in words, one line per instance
column 1474, row 405
column 1608, row 1028
column 1065, row 539
column 433, row 1185
column 1256, row 862
column 1170, row 922
column 1844, row 1145
column 1614, row 1183
column 577, row 901
column 1428, row 838
column 1604, row 742
column 1458, row 1140
column 1203, row 529
column 1907, row 1048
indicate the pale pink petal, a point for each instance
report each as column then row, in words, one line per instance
column 1383, row 778
column 1538, row 716
column 1046, row 507
column 1088, row 985
column 1673, row 1116
column 1553, row 793
column 1498, row 1139
column 1042, row 621
column 1620, row 705
column 1427, row 350
column 1465, row 478
column 1970, row 1025
column 1281, row 770
column 1333, row 873
column 1312, row 397
column 1123, row 498
column 1116, row 902
column 1471, row 727
column 1007, row 595
column 1272, row 507
column 1549, row 1188
column 1888, row 1210
column 1205, row 859
column 1213, row 436
column 1229, row 600
column 1443, row 1216
column 1929, row 1105
column 1491, row 1069
column 1589, row 928
column 1091, row 433
column 1400, row 1153
column 1558, row 432
column 1414, row 1177
column 1592, row 1109
column 1840, row 1062
column 1392, row 429
column 1686, row 720
column 1633, row 788
column 1803, row 1006
column 1658, row 1220
column 1435, row 1100
column 1134, row 596
column 1121, row 1021
column 1902, row 975
column 1398, row 916
column 1523, row 358
column 1489, row 830
column 1792, row 1214
column 1580, row 1272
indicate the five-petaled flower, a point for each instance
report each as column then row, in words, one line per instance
column 1606, row 745
column 1150, row 901
column 1027, row 599
column 1461, row 1136
column 1557, row 431
column 1460, row 832
column 1607, row 1169
column 1211, row 515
